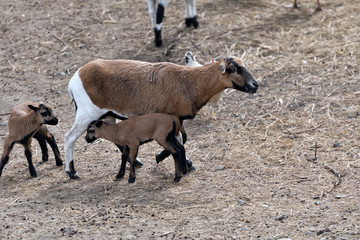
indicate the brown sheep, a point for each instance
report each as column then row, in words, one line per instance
column 25, row 122
column 128, row 135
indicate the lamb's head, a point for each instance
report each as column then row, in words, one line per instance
column 90, row 132
column 45, row 114
column 237, row 75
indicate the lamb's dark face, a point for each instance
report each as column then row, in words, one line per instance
column 240, row 77
column 90, row 132
column 45, row 113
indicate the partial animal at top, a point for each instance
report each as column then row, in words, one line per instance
column 157, row 16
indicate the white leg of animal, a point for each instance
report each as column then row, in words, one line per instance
column 152, row 12
column 157, row 15
column 193, row 8
column 85, row 113
column 188, row 10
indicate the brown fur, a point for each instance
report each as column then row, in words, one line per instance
column 142, row 87
column 131, row 133
column 24, row 124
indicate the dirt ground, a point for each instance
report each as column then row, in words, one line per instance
column 283, row 163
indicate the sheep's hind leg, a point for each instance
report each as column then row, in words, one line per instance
column 164, row 154
column 8, row 145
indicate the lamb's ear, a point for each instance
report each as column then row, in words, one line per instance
column 98, row 124
column 32, row 107
column 223, row 67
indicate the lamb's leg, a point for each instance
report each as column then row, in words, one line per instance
column 28, row 154
column 124, row 159
column 138, row 163
column 52, row 142
column 42, row 143
column 121, row 172
column 164, row 154
column 132, row 155
column 8, row 145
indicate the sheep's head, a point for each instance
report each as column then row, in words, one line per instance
column 90, row 132
column 45, row 113
column 239, row 76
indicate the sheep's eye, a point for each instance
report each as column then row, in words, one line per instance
column 44, row 114
column 232, row 68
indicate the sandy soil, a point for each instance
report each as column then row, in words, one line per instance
column 283, row 163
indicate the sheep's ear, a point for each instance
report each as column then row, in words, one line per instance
column 32, row 107
column 223, row 67
column 98, row 124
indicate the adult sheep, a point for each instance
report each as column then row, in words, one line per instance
column 128, row 88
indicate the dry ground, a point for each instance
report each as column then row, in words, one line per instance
column 257, row 176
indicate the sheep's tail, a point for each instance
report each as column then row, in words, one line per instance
column 71, row 93
column 172, row 137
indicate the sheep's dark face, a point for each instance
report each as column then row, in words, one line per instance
column 90, row 132
column 240, row 77
column 46, row 114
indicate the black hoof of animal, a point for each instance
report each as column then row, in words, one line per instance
column 120, row 175
column 191, row 21
column 188, row 22
column 34, row 175
column 195, row 23
column 138, row 164
column 59, row 163
column 177, row 179
column 158, row 159
column 131, row 179
column 73, row 175
column 190, row 166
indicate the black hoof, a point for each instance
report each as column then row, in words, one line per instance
column 59, row 163
column 73, row 175
column 177, row 179
column 131, row 179
column 34, row 175
column 195, row 23
column 190, row 166
column 192, row 21
column 120, row 175
column 158, row 159
column 138, row 164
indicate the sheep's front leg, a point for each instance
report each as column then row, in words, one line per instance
column 132, row 156
column 8, row 145
column 44, row 149
column 124, row 159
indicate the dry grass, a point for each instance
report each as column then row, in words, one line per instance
column 281, row 163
